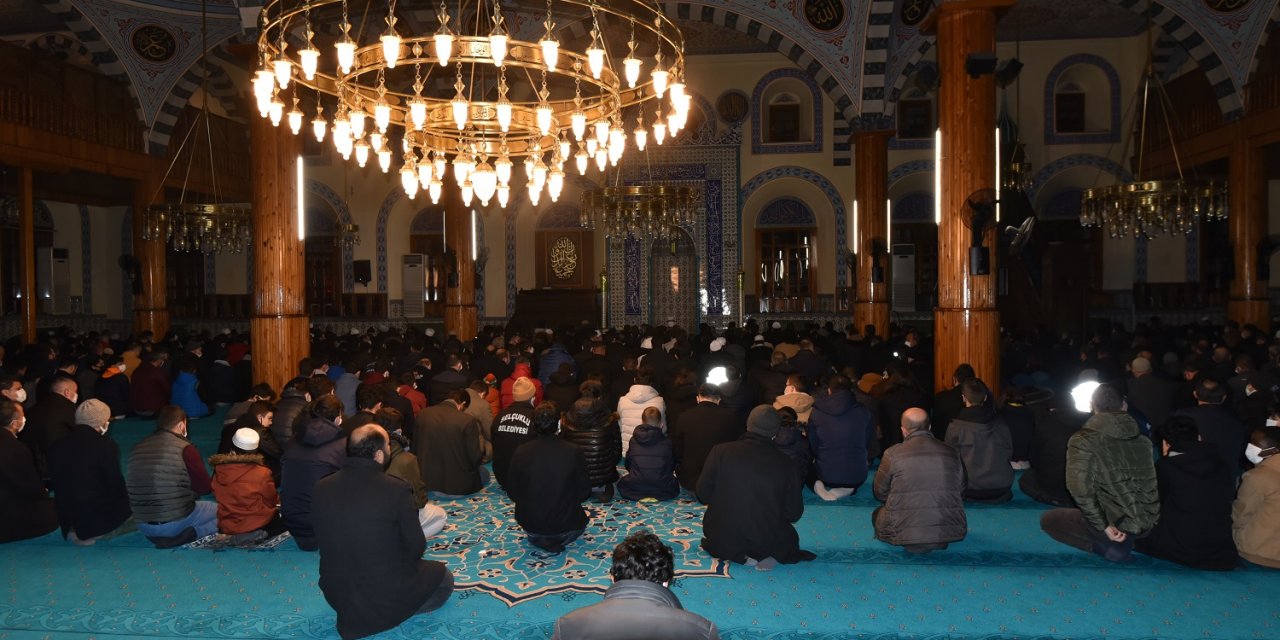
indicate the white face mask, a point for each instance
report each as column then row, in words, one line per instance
column 75, row 398
column 22, row 424
column 122, row 367
column 20, row 396
column 1271, row 422
column 1253, row 453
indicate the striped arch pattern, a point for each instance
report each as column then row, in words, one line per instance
column 61, row 45
column 828, row 189
column 99, row 51
column 1052, row 169
column 343, row 212
column 922, row 46
column 844, row 105
column 220, row 86
column 875, row 56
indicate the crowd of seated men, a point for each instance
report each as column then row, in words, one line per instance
column 1160, row 441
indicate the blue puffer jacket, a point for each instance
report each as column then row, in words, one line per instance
column 651, row 466
column 840, row 430
column 550, row 362
column 184, row 395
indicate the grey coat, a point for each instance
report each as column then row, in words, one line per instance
column 920, row 481
column 985, row 445
column 635, row 610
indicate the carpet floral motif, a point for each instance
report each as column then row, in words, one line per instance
column 487, row 551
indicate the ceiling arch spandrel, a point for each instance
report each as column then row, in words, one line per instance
column 1235, row 29
column 157, row 42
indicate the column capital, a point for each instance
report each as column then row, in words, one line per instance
column 871, row 124
column 929, row 25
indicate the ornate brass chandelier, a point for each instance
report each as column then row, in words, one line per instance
column 483, row 84
column 651, row 209
column 1146, row 206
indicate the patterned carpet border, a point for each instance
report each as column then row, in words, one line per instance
column 488, row 552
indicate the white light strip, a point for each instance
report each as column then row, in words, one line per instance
column 937, row 176
column 853, row 230
column 888, row 224
column 302, row 204
column 997, row 174
column 474, row 252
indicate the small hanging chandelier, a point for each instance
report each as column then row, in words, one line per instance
column 1146, row 206
column 653, row 208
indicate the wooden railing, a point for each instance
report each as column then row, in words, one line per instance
column 1262, row 94
column 240, row 307
column 54, row 115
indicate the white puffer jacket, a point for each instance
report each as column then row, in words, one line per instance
column 631, row 407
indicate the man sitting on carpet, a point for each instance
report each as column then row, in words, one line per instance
column 920, row 481
column 405, row 466
column 446, row 440
column 1113, row 481
column 512, row 428
column 840, row 433
column 166, row 475
column 245, row 492
column 371, row 545
column 752, row 493
column 548, row 481
column 982, row 437
column 638, row 605
column 1256, row 512
column 26, row 510
column 88, row 485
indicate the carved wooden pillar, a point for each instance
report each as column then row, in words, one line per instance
column 1246, row 183
column 966, row 322
column 151, row 306
column 871, row 299
column 27, row 240
column 280, row 326
column 460, row 315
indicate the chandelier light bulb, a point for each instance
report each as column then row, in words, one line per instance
column 418, row 112
column 376, row 141
column 346, row 49
column 504, row 195
column 539, row 173
column 276, row 112
column 443, row 42
column 409, row 180
column 677, row 91
column 673, row 122
column 659, row 131
column 382, row 116
column 295, row 120
column 460, row 112
column 602, row 132
column 578, row 122
column 602, row 159
column 497, row 48
column 642, row 138
column 424, row 173
column 595, row 60
column 550, row 52
column 310, row 58
column 391, row 49
column 565, row 148
column 468, row 192
column 358, row 121
column 503, row 109
column 362, row 153
column 528, row 167
column 617, row 138
column 318, row 127
column 535, row 194
column 659, row 81
column 580, row 159
column 631, row 67
column 484, row 181
column 384, row 159
column 435, row 189
column 284, row 71
column 544, row 115
column 555, row 183
column 592, row 145
column 502, row 166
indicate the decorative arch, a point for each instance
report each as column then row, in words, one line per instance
column 916, row 206
column 907, row 168
column 758, row 146
column 65, row 48
column 828, row 189
column 380, row 253
column 1051, row 134
column 428, row 219
column 340, row 208
column 785, row 212
column 1073, row 161
column 875, row 57
column 99, row 51
column 220, row 88
column 915, row 57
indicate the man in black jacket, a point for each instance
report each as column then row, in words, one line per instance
column 512, row 429
column 88, row 485
column 50, row 420
column 1217, row 425
column 371, row 567
column 26, row 511
column 948, row 402
column 638, row 605
column 446, row 441
column 1046, row 480
column 752, row 493
column 547, row 480
column 698, row 430
column 449, row 379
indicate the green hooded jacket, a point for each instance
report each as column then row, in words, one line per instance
column 1112, row 475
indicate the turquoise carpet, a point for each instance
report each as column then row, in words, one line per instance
column 1006, row 580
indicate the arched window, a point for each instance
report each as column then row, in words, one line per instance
column 786, row 113
column 1082, row 101
column 785, row 234
column 323, row 261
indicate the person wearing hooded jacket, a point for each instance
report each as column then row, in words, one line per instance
column 796, row 395
column 1112, row 478
column 650, row 464
column 184, row 392
column 840, row 432
column 243, row 487
column 920, row 481
column 318, row 450
column 113, row 388
column 592, row 428
column 985, row 445
column 1196, row 490
column 521, row 370
column 753, row 498
column 631, row 406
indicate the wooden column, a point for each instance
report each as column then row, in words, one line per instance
column 871, row 161
column 27, row 264
column 460, row 316
column 150, row 307
column 1248, row 303
column 966, row 322
column 280, row 326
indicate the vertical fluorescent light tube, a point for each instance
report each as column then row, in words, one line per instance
column 937, row 176
column 888, row 224
column 474, row 252
column 302, row 205
column 997, row 174
column 853, row 230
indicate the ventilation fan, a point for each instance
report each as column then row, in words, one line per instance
column 1022, row 220
column 979, row 217
column 133, row 268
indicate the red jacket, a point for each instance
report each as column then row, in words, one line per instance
column 521, row 371
column 246, row 495
column 414, row 397
column 149, row 388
